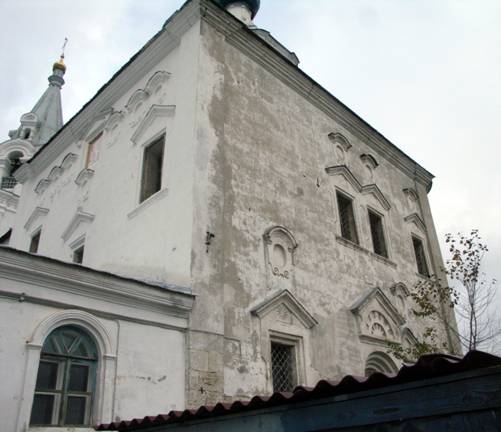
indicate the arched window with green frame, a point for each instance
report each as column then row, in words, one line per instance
column 66, row 379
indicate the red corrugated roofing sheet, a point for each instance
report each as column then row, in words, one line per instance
column 429, row 366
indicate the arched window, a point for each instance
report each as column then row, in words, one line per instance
column 66, row 379
column 379, row 362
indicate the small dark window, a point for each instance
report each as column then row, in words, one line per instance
column 92, row 151
column 347, row 218
column 151, row 179
column 27, row 133
column 78, row 255
column 35, row 242
column 422, row 266
column 377, row 233
column 283, row 367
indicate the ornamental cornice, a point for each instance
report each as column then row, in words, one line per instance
column 74, row 279
column 371, row 189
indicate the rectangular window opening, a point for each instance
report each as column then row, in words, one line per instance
column 422, row 265
column 78, row 255
column 151, row 178
column 283, row 367
column 347, row 218
column 377, row 233
column 92, row 151
column 35, row 242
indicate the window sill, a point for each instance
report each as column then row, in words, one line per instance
column 357, row 247
column 148, row 202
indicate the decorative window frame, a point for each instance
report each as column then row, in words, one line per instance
column 429, row 262
column 102, row 407
column 356, row 216
column 386, row 230
column 76, row 244
column 279, row 235
column 297, row 343
column 139, row 206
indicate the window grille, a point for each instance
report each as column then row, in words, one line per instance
column 8, row 183
column 377, row 233
column 422, row 265
column 347, row 218
column 283, row 367
column 65, row 380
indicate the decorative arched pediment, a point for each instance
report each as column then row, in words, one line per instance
column 113, row 121
column 17, row 145
column 370, row 161
column 411, row 194
column 284, row 304
column 42, row 186
column 415, row 219
column 84, row 176
column 30, row 118
column 280, row 246
column 35, row 218
column 136, row 100
column 408, row 338
column 68, row 160
column 55, row 172
column 400, row 288
column 79, row 218
column 371, row 189
column 155, row 112
column 379, row 362
column 156, row 81
column 377, row 317
column 340, row 145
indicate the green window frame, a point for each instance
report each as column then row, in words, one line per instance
column 66, row 379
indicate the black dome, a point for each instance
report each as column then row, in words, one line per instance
column 253, row 4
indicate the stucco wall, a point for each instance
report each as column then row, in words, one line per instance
column 265, row 150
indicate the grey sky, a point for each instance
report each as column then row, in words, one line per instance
column 425, row 73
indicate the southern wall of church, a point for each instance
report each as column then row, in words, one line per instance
column 274, row 164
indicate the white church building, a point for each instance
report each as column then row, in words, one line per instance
column 211, row 225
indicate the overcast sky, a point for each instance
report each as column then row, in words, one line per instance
column 425, row 73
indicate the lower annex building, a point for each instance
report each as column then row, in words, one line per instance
column 211, row 225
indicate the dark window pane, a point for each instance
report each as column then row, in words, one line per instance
column 283, row 367
column 420, row 257
column 78, row 255
column 347, row 218
column 151, row 181
column 378, row 240
column 78, row 378
column 75, row 411
column 47, row 375
column 35, row 241
column 43, row 407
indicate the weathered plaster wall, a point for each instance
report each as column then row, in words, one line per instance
column 263, row 150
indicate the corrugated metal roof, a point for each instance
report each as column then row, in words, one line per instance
column 427, row 367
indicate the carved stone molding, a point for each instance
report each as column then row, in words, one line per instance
column 136, row 100
column 378, row 319
column 79, row 218
column 340, row 143
column 84, row 176
column 417, row 221
column 154, row 112
column 38, row 213
column 156, row 81
column 280, row 246
column 371, row 189
column 285, row 305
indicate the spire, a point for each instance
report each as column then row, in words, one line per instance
column 48, row 110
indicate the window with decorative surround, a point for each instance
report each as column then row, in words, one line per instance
column 93, row 151
column 66, row 378
column 35, row 242
column 347, row 218
column 377, row 233
column 422, row 265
